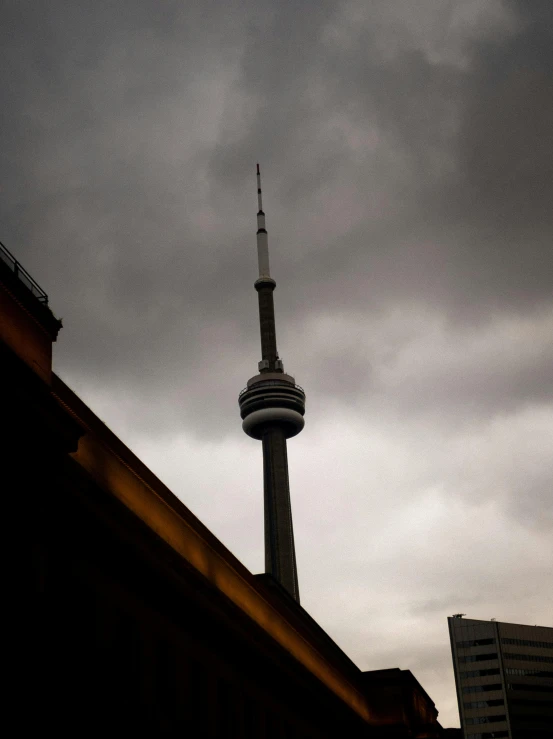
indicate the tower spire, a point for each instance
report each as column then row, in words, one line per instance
column 259, row 200
column 262, row 238
column 272, row 407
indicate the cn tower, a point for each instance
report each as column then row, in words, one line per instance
column 272, row 407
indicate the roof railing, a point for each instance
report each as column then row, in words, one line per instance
column 21, row 273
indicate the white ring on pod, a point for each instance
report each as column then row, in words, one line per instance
column 266, row 415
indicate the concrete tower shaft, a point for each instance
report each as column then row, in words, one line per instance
column 280, row 550
column 272, row 407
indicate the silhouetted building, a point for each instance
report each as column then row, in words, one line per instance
column 504, row 678
column 131, row 618
column 397, row 699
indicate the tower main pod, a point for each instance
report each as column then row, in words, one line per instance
column 272, row 407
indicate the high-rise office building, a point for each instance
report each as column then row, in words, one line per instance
column 504, row 678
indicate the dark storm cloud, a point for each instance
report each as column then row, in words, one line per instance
column 405, row 165
column 100, row 194
column 502, row 191
column 471, row 224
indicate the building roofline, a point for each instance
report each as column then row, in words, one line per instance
column 495, row 621
column 405, row 675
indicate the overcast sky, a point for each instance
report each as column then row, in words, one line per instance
column 407, row 161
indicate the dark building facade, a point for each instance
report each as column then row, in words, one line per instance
column 504, row 678
column 133, row 618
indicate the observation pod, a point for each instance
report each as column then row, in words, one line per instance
column 272, row 399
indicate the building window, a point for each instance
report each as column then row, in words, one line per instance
column 528, row 672
column 486, row 719
column 480, row 673
column 528, row 657
column 482, row 688
column 529, row 643
column 530, row 702
column 475, row 643
column 539, row 718
column 530, row 687
column 485, row 704
column 478, row 657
